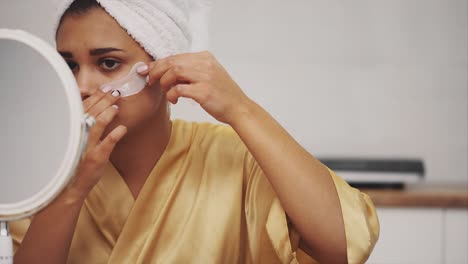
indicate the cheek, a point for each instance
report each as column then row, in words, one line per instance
column 138, row 108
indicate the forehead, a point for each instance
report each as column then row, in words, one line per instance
column 92, row 29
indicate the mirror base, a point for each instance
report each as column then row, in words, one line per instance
column 6, row 244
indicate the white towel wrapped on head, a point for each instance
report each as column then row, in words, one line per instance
column 162, row 27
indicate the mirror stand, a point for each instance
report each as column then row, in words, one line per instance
column 6, row 244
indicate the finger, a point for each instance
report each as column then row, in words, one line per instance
column 92, row 100
column 104, row 103
column 144, row 69
column 161, row 66
column 156, row 71
column 182, row 75
column 107, row 145
column 178, row 75
column 168, row 79
column 197, row 92
column 102, row 121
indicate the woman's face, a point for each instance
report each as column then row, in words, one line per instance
column 98, row 50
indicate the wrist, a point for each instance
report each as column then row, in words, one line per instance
column 243, row 113
column 72, row 196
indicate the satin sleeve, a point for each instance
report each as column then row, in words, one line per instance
column 266, row 225
column 360, row 219
column 271, row 239
column 17, row 230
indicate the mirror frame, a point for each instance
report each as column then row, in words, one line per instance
column 79, row 123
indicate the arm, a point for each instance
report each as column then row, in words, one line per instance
column 50, row 234
column 303, row 185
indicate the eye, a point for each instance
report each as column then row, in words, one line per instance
column 109, row 64
column 73, row 65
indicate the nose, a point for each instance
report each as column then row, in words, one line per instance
column 87, row 82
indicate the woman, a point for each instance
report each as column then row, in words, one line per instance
column 152, row 190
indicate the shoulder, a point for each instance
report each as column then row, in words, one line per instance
column 209, row 137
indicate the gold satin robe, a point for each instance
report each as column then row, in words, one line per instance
column 206, row 201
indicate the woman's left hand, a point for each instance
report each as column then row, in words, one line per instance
column 201, row 77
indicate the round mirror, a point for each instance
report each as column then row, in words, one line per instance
column 43, row 129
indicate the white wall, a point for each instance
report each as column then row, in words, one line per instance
column 346, row 78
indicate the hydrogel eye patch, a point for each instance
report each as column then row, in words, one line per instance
column 129, row 85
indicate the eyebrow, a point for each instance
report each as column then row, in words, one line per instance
column 100, row 51
column 93, row 52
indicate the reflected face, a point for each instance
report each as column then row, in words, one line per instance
column 98, row 50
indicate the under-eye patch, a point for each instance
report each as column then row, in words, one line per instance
column 129, row 85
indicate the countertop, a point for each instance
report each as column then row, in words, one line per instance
column 422, row 195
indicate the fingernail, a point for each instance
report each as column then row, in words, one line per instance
column 115, row 93
column 115, row 107
column 147, row 79
column 142, row 68
column 106, row 89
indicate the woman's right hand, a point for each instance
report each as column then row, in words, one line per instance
column 102, row 107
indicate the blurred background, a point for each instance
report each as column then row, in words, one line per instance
column 361, row 79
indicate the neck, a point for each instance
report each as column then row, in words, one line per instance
column 138, row 152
